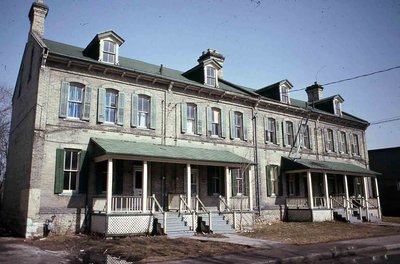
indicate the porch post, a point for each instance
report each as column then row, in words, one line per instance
column 365, row 184
column 346, row 191
column 251, row 175
column 227, row 185
column 188, row 186
column 309, row 188
column 144, row 187
column 109, row 184
column 326, row 190
column 377, row 198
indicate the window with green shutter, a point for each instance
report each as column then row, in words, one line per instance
column 68, row 166
column 75, row 101
column 273, row 180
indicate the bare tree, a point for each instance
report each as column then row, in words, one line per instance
column 5, row 118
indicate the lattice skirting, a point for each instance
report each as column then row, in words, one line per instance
column 298, row 215
column 114, row 225
column 243, row 220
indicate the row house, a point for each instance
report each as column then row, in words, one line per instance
column 117, row 146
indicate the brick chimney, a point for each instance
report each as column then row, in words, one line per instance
column 214, row 55
column 314, row 92
column 37, row 14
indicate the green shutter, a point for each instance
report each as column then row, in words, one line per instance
column 335, row 140
column 245, row 127
column 280, row 182
column 101, row 104
column 134, row 110
column 86, row 104
column 302, row 132
column 267, row 139
column 311, row 136
column 209, row 121
column 348, row 143
column 183, row 117
column 351, row 143
column 64, row 99
column 232, row 124
column 233, row 183
column 153, row 113
column 284, row 133
column 246, row 180
column 325, row 131
column 223, row 123
column 278, row 131
column 83, row 172
column 121, row 108
column 269, row 182
column 59, row 173
column 296, row 133
column 199, row 128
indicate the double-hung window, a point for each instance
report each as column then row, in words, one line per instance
column 110, row 109
column 343, row 142
column 355, row 148
column 239, row 181
column 215, row 122
column 75, row 99
column 109, row 50
column 273, row 181
column 337, row 106
column 271, row 131
column 143, row 111
column 71, row 170
column 191, row 118
column 330, row 144
column 210, row 76
column 289, row 133
column 285, row 94
column 238, row 125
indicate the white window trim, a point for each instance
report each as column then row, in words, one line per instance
column 71, row 192
column 206, row 76
column 116, row 59
column 340, row 107
column 281, row 88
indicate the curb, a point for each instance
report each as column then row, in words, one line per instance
column 313, row 257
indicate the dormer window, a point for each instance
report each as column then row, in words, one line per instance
column 210, row 76
column 337, row 107
column 109, row 50
column 285, row 95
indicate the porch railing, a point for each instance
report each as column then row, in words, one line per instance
column 184, row 207
column 223, row 206
column 126, row 203
column 297, row 203
column 320, row 202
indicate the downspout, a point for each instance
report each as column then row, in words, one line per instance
column 256, row 161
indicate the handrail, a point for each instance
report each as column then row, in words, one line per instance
column 181, row 200
column 227, row 208
column 373, row 205
column 203, row 207
column 155, row 202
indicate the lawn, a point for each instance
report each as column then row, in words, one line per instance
column 145, row 249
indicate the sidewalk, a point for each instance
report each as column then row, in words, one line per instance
column 273, row 252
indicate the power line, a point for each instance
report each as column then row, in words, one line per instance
column 352, row 78
column 387, row 120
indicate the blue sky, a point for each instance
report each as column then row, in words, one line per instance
column 263, row 42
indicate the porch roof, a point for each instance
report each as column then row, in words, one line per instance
column 114, row 147
column 324, row 166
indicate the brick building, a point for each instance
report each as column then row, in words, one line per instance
column 110, row 144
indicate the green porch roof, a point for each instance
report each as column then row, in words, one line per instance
column 148, row 150
column 328, row 166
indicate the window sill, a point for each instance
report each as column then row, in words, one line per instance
column 215, row 137
column 73, row 119
column 69, row 193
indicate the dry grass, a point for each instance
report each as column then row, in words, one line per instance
column 310, row 233
column 391, row 219
column 137, row 249
column 145, row 249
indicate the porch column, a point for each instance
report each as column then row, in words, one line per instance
column 326, row 190
column 227, row 185
column 346, row 190
column 377, row 198
column 365, row 184
column 251, row 176
column 109, row 184
column 144, row 187
column 188, row 185
column 309, row 188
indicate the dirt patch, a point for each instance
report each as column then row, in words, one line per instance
column 310, row 233
column 136, row 249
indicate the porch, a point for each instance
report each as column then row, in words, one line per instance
column 196, row 191
column 323, row 191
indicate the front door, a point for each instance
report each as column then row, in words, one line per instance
column 137, row 181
